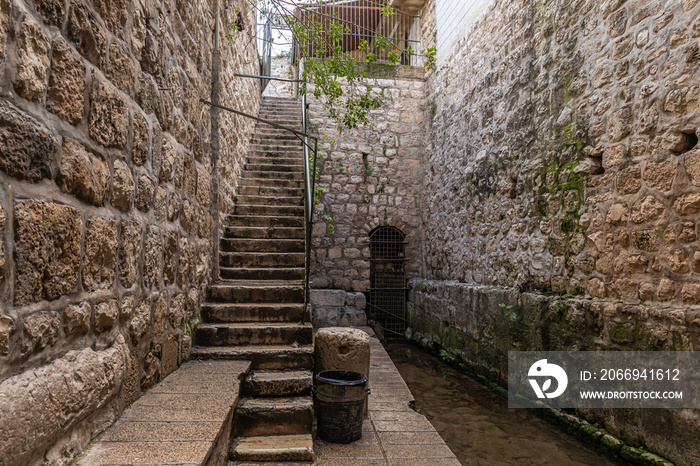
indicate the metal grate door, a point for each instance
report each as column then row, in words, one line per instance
column 387, row 293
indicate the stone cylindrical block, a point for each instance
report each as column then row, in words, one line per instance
column 342, row 349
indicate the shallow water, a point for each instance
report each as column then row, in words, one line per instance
column 477, row 424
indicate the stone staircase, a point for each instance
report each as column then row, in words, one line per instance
column 256, row 311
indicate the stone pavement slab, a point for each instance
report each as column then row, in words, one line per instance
column 394, row 434
column 184, row 420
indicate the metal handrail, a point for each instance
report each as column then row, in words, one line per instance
column 309, row 179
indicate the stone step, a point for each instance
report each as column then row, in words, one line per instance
column 262, row 273
column 278, row 383
column 268, row 131
column 252, row 190
column 250, row 291
column 269, row 210
column 287, row 136
column 292, row 124
column 273, row 357
column 273, row 147
column 272, row 183
column 262, row 245
column 274, row 416
column 280, row 110
column 275, row 135
column 265, row 221
column 295, row 161
column 237, row 312
column 270, row 200
column 275, row 448
column 273, row 174
column 288, row 120
column 262, row 167
column 261, row 259
column 264, row 232
column 276, row 140
column 253, row 333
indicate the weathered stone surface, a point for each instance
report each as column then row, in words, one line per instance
column 131, row 387
column 100, row 261
column 67, row 83
column 341, row 348
column 142, row 140
column 126, row 307
column 203, row 186
column 82, row 173
column 160, row 312
column 164, row 166
column 145, row 193
column 183, row 268
column 170, row 356
column 47, row 250
column 109, row 115
column 659, row 175
column 190, row 175
column 629, row 180
column 106, row 315
column 177, row 310
column 140, row 321
column 27, row 144
column 174, row 205
column 121, row 70
column 153, row 257
column 170, row 257
column 688, row 204
column 151, row 371
column 33, row 53
column 76, row 319
column 7, row 327
column 53, row 11
column 40, row 331
column 122, row 186
column 87, row 35
column 160, row 205
column 646, row 209
column 692, row 166
column 40, row 402
column 691, row 293
column 114, row 13
column 129, row 252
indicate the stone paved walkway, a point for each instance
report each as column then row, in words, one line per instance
column 394, row 434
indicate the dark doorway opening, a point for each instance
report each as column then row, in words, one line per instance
column 387, row 293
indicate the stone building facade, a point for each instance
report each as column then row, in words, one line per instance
column 370, row 177
column 560, row 179
column 113, row 178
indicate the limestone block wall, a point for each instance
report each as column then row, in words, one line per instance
column 560, row 180
column 370, row 177
column 562, row 157
column 338, row 308
column 108, row 187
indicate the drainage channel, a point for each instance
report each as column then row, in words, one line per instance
column 476, row 423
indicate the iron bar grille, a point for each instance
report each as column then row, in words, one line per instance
column 362, row 20
column 387, row 294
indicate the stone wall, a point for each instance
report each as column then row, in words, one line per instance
column 338, row 308
column 560, row 179
column 370, row 177
column 559, row 159
column 469, row 321
column 108, row 186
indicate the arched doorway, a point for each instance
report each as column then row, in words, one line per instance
column 387, row 294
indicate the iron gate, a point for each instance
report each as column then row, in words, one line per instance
column 387, row 293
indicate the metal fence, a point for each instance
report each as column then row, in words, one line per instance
column 367, row 29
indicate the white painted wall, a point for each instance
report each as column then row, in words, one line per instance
column 454, row 18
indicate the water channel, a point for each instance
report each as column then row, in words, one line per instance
column 476, row 423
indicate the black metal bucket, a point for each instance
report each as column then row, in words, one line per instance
column 339, row 398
